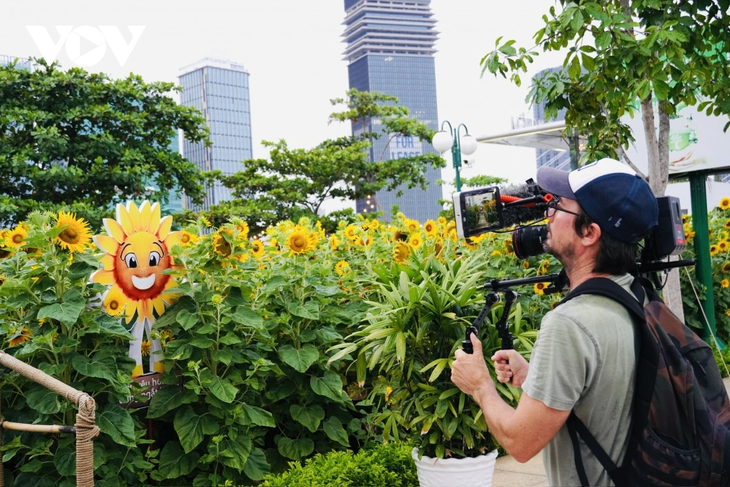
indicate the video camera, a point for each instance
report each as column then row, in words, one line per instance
column 520, row 208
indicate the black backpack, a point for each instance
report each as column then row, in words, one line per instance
column 681, row 413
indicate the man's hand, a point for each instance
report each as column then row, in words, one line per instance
column 469, row 371
column 510, row 365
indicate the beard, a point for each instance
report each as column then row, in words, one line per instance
column 564, row 255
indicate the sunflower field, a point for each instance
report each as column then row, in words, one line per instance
column 253, row 341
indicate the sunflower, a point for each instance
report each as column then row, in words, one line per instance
column 365, row 240
column 726, row 267
column 206, row 222
column 685, row 218
column 15, row 238
column 166, row 336
column 75, row 235
column 21, row 335
column 188, row 238
column 342, row 267
column 146, row 347
column 416, row 240
column 725, row 203
column 221, row 245
column 351, row 232
column 725, row 283
column 431, row 228
column 727, row 224
column 412, row 225
column 297, row 241
column 401, row 252
column 453, row 235
column 334, row 243
column 508, row 247
column 727, row 312
column 723, row 245
column 388, row 392
column 525, row 264
column 470, row 244
column 313, row 238
column 243, row 230
column 257, row 249
column 136, row 256
column 374, row 224
column 540, row 288
column 399, row 235
column 714, row 249
column 442, row 220
column 496, row 253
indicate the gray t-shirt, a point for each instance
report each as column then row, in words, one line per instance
column 584, row 359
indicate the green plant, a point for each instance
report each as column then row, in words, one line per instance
column 387, row 465
column 417, row 320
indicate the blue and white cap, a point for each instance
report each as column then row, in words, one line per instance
column 615, row 197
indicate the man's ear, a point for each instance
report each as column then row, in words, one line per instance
column 591, row 234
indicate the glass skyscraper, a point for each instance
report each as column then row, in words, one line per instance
column 549, row 157
column 390, row 48
column 23, row 63
column 219, row 89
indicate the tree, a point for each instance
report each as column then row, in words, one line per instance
column 621, row 51
column 83, row 142
column 296, row 182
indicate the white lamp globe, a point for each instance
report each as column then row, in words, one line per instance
column 442, row 141
column 468, row 145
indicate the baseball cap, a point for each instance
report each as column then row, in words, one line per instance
column 615, row 197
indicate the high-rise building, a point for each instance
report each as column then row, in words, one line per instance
column 390, row 48
column 549, row 157
column 22, row 63
column 219, row 89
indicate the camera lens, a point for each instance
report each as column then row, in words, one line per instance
column 527, row 241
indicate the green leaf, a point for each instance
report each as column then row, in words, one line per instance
column 309, row 416
column 191, row 428
column 44, row 401
column 256, row 466
column 661, row 89
column 66, row 312
column 330, row 385
column 99, row 366
column 299, row 359
column 234, row 453
column 301, row 311
column 246, row 316
column 202, row 342
column 230, row 339
column 187, row 319
column 225, row 355
column 258, row 416
column 334, row 430
column 295, row 449
column 221, row 388
column 65, row 461
column 175, row 463
column 603, row 39
column 169, row 398
column 117, row 423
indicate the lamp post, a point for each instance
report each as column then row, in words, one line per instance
column 444, row 140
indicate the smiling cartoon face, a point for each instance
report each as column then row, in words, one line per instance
column 142, row 260
column 136, row 249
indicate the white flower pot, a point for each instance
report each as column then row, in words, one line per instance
column 455, row 472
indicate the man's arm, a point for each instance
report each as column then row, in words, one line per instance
column 524, row 431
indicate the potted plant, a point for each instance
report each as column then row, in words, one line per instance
column 414, row 326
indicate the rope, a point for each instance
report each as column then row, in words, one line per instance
column 86, row 430
column 707, row 322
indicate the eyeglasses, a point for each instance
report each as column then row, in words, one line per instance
column 552, row 207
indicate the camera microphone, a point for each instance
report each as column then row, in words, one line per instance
column 522, row 205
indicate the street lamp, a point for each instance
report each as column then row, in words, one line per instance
column 444, row 140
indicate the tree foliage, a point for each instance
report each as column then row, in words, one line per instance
column 296, row 182
column 83, row 141
column 620, row 52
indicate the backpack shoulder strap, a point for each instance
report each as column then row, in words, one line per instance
column 608, row 288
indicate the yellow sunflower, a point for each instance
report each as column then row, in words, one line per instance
column 334, row 242
column 416, row 240
column 342, row 267
column 725, row 283
column 431, row 228
column 540, row 288
column 453, row 235
column 313, row 238
column 723, row 245
column 297, row 241
column 470, row 244
column 146, row 348
column 257, row 249
column 399, row 235
column 351, row 232
column 412, row 225
column 243, row 230
column 442, row 220
column 188, row 239
column 15, row 238
column 136, row 256
column 401, row 252
column 166, row 336
column 714, row 249
column 374, row 224
column 221, row 244
column 206, row 222
column 19, row 336
column 725, row 203
column 727, row 224
column 525, row 264
column 727, row 312
column 365, row 240
column 496, row 253
column 75, row 235
column 726, row 267
column 388, row 392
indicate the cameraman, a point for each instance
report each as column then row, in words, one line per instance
column 584, row 357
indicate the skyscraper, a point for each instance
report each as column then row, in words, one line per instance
column 549, row 157
column 390, row 48
column 219, row 89
column 23, row 63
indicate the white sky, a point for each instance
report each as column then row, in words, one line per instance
column 293, row 52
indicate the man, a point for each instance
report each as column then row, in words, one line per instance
column 584, row 357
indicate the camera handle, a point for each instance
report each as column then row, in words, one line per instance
column 502, row 324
